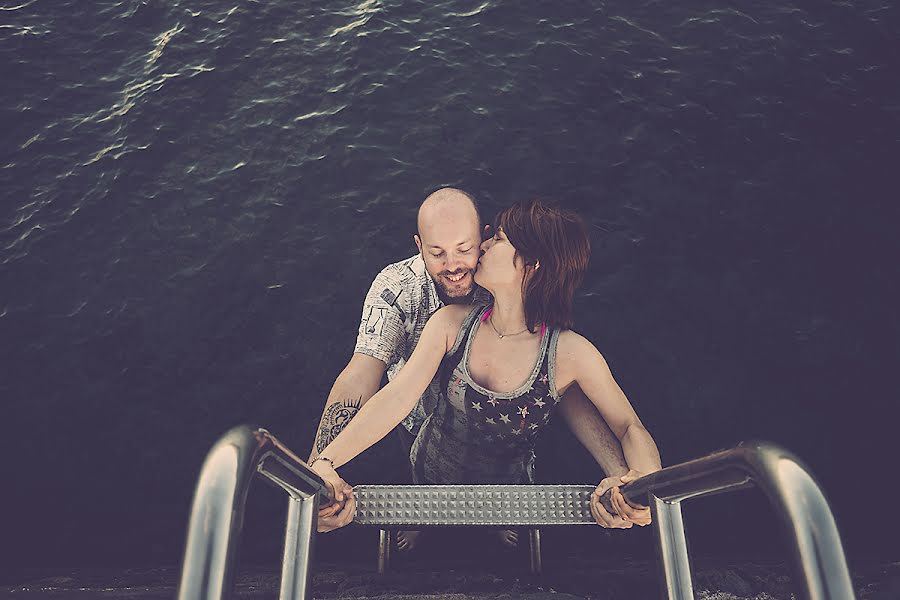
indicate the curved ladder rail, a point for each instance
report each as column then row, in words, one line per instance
column 218, row 510
column 818, row 554
column 217, row 514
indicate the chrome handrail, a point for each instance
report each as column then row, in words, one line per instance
column 218, row 510
column 221, row 493
column 783, row 478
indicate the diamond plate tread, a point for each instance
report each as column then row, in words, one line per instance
column 389, row 505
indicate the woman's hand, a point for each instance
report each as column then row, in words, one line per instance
column 341, row 511
column 626, row 514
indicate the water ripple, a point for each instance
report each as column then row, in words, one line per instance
column 161, row 41
column 18, row 6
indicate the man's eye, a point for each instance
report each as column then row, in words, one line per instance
column 466, row 251
column 438, row 255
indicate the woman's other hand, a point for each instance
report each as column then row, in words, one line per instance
column 637, row 514
column 626, row 514
column 603, row 517
column 341, row 511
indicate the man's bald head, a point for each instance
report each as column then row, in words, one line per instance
column 447, row 203
column 449, row 240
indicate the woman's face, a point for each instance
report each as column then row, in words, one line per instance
column 499, row 266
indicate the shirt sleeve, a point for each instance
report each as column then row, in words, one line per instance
column 382, row 330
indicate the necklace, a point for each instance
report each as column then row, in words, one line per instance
column 502, row 335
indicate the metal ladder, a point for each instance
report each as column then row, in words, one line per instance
column 218, row 507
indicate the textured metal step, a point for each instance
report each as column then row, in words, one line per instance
column 390, row 505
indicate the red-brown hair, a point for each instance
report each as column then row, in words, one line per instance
column 558, row 239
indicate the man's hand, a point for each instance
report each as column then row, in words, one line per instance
column 626, row 514
column 341, row 511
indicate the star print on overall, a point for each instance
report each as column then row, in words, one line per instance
column 507, row 420
column 510, row 417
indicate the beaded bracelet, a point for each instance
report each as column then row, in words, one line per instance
column 331, row 462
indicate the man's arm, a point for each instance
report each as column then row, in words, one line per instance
column 381, row 333
column 358, row 382
column 591, row 430
column 387, row 408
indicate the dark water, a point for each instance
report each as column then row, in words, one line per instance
column 196, row 195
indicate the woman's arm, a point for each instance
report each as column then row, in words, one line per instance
column 585, row 366
column 388, row 407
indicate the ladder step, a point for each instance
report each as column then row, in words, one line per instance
column 520, row 505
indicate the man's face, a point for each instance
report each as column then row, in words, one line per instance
column 450, row 248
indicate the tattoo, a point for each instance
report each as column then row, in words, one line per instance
column 336, row 417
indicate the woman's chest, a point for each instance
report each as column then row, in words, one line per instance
column 513, row 418
column 502, row 365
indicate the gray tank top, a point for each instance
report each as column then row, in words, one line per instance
column 476, row 436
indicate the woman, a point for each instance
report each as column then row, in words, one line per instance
column 503, row 369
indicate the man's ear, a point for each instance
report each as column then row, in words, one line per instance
column 418, row 243
column 486, row 233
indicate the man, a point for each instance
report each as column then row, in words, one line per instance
column 400, row 301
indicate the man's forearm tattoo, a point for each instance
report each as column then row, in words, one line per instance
column 335, row 418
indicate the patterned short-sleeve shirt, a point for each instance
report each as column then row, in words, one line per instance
column 399, row 303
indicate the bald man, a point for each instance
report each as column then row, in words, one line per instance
column 400, row 301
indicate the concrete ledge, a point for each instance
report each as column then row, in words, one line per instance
column 576, row 580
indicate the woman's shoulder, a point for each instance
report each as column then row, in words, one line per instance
column 449, row 320
column 453, row 315
column 572, row 345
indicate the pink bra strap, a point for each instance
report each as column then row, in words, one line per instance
column 543, row 329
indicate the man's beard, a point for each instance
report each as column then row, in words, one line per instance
column 455, row 294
